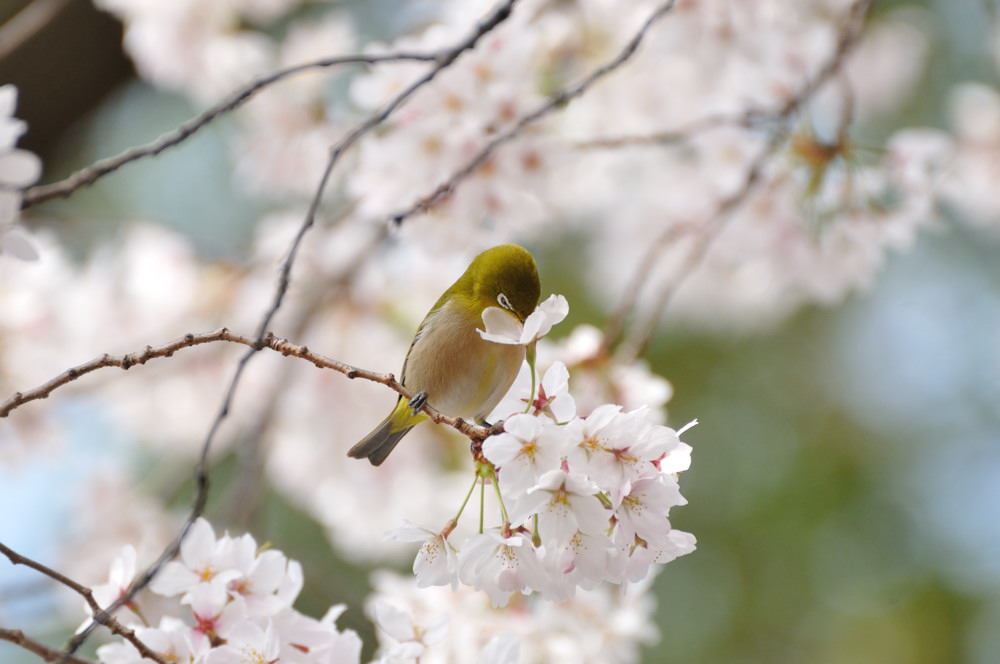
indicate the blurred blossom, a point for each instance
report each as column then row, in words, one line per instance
column 411, row 639
column 606, row 625
column 596, row 377
column 18, row 169
column 193, row 46
column 889, row 62
column 969, row 186
column 705, row 59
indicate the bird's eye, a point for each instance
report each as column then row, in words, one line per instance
column 504, row 302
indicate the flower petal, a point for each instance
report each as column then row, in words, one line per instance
column 501, row 327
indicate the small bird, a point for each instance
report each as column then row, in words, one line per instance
column 449, row 365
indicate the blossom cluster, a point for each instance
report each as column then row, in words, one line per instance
column 811, row 230
column 230, row 603
column 606, row 625
column 584, row 500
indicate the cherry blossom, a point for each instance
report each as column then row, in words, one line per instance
column 411, row 639
column 233, row 605
column 436, row 563
column 503, row 328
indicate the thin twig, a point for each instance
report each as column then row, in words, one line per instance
column 556, row 101
column 47, row 653
column 443, row 61
column 101, row 616
column 90, row 174
column 124, row 362
column 747, row 118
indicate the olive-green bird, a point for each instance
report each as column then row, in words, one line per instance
column 451, row 367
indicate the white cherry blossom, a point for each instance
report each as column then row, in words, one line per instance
column 503, row 328
column 500, row 565
column 436, row 563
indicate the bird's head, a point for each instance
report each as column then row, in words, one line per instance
column 505, row 277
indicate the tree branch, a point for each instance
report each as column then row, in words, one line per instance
column 47, row 653
column 270, row 341
column 102, row 616
column 123, row 362
column 670, row 136
column 90, row 174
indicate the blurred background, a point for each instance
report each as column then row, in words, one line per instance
column 845, row 490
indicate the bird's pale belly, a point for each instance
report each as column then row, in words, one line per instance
column 469, row 375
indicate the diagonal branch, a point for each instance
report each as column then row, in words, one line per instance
column 101, row 616
column 46, row 653
column 87, row 176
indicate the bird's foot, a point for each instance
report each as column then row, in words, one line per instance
column 417, row 403
column 494, row 429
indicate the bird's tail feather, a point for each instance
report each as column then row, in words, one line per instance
column 377, row 445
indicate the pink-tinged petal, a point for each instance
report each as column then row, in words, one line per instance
column 19, row 168
column 502, row 649
column 437, row 629
column 8, row 99
column 677, row 460
column 552, row 311
column 501, row 327
column 406, row 650
column 175, row 578
column 16, row 244
column 408, row 532
column 199, row 544
column 393, row 621
column 502, row 449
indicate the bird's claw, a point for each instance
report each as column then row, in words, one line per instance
column 417, row 403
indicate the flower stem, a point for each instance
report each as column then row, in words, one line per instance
column 467, row 496
column 482, row 502
column 530, row 357
column 503, row 510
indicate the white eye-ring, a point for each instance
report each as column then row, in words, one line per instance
column 504, row 302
